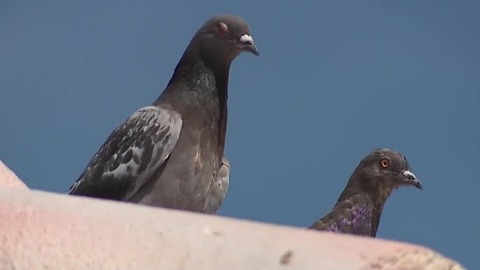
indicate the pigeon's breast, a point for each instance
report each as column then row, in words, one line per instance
column 184, row 181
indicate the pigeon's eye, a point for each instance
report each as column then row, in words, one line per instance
column 384, row 163
column 222, row 28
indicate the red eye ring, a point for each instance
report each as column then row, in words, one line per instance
column 384, row 163
column 222, row 27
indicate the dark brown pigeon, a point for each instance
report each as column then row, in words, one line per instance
column 169, row 154
column 360, row 205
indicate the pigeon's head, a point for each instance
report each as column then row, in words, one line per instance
column 386, row 170
column 224, row 37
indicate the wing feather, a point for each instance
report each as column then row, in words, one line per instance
column 218, row 189
column 130, row 155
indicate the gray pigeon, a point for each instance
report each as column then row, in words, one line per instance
column 168, row 154
column 360, row 205
column 219, row 188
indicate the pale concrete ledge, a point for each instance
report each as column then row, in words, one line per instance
column 40, row 230
column 9, row 178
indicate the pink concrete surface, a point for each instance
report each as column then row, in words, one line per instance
column 9, row 178
column 40, row 230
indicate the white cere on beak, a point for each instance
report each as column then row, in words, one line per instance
column 247, row 39
column 409, row 175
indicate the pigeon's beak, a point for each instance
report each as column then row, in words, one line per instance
column 247, row 44
column 411, row 179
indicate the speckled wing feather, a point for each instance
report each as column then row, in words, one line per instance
column 131, row 155
column 353, row 216
column 218, row 189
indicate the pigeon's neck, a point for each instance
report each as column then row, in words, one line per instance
column 204, row 77
column 199, row 86
column 376, row 195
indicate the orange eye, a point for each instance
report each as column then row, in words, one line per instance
column 384, row 163
column 222, row 28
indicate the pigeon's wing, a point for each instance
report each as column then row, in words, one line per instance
column 219, row 188
column 130, row 155
column 353, row 216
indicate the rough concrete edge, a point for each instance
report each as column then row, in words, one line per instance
column 392, row 255
column 9, row 178
column 416, row 258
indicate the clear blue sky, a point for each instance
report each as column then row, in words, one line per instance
column 334, row 81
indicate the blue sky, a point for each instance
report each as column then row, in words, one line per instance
column 335, row 80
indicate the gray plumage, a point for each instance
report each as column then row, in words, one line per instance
column 359, row 208
column 168, row 154
column 219, row 188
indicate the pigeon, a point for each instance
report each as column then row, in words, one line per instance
column 360, row 205
column 219, row 188
column 168, row 154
